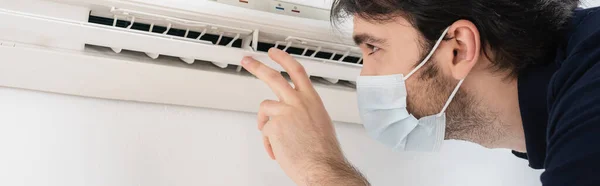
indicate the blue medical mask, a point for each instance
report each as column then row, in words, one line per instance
column 382, row 107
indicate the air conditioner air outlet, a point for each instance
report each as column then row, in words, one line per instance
column 189, row 34
column 204, row 33
column 323, row 54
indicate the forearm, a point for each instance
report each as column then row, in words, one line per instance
column 334, row 172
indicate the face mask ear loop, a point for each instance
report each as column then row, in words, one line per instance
column 451, row 97
column 437, row 44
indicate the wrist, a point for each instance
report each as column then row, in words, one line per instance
column 332, row 171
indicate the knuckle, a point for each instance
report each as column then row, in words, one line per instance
column 271, row 127
column 272, row 74
column 287, row 111
column 263, row 104
column 262, row 119
column 298, row 69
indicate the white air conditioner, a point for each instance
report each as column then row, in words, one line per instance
column 177, row 52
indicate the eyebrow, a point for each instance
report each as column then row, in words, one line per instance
column 360, row 39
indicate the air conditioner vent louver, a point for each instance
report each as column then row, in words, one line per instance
column 172, row 61
column 231, row 37
column 220, row 40
column 212, row 38
column 300, row 51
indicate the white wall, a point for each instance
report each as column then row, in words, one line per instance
column 590, row 3
column 49, row 139
column 57, row 140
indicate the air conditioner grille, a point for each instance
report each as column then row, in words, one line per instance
column 161, row 29
column 227, row 36
column 262, row 46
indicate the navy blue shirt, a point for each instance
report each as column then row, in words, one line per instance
column 560, row 107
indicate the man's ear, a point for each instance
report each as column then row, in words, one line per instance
column 465, row 40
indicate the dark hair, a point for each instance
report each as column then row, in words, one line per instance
column 517, row 32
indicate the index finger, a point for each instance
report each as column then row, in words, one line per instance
column 278, row 84
column 292, row 67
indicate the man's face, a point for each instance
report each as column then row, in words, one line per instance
column 396, row 48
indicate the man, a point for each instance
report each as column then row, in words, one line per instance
column 522, row 75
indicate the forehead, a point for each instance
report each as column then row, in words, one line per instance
column 398, row 28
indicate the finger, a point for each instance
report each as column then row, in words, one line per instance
column 268, row 147
column 269, row 132
column 262, row 119
column 269, row 108
column 292, row 67
column 271, row 77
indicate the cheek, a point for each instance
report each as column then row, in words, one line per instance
column 395, row 64
column 374, row 65
column 427, row 97
column 385, row 64
column 424, row 97
column 419, row 99
column 415, row 99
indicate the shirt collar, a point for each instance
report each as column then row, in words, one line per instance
column 533, row 90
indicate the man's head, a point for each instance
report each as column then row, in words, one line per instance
column 488, row 42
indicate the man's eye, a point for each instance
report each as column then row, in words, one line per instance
column 372, row 48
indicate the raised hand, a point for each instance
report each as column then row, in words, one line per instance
column 297, row 130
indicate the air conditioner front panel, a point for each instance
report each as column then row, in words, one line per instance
column 97, row 74
column 161, row 63
column 228, row 15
